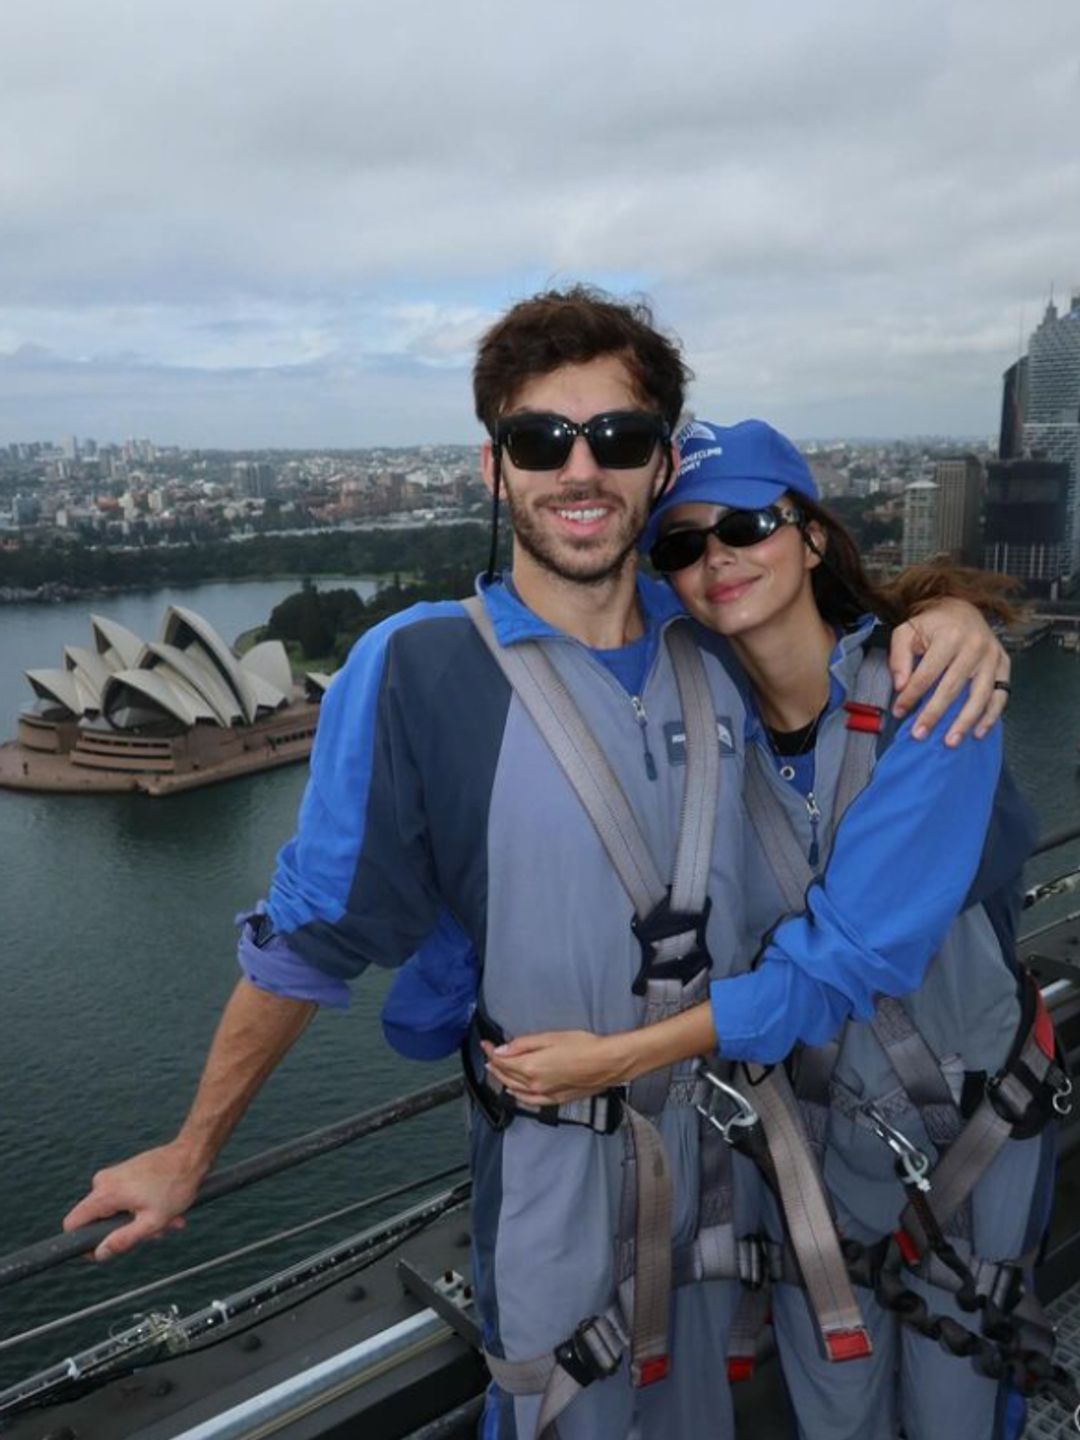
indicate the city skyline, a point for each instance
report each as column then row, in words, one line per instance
column 236, row 227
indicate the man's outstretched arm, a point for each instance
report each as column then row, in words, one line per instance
column 256, row 1030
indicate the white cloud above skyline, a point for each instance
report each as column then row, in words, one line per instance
column 267, row 222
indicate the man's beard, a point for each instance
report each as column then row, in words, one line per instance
column 585, row 565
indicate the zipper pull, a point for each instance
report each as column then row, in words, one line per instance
column 813, row 811
column 643, row 722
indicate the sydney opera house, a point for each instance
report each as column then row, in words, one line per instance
column 161, row 716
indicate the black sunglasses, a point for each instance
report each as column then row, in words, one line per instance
column 738, row 528
column 619, row 440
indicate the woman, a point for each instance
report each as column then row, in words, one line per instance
column 754, row 557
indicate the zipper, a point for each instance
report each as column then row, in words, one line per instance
column 813, row 811
column 643, row 725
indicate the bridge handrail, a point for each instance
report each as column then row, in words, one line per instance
column 44, row 1254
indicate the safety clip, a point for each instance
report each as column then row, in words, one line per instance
column 742, row 1116
column 912, row 1163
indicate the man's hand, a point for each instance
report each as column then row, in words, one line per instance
column 957, row 646
column 155, row 1188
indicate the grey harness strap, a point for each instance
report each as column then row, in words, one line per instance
column 915, row 1064
column 957, row 1172
column 553, row 710
column 551, row 707
column 693, row 854
column 808, row 1218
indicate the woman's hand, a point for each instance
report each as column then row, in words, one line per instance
column 957, row 646
column 558, row 1065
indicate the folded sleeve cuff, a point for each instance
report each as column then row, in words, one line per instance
column 269, row 964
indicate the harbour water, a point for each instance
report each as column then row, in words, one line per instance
column 117, row 956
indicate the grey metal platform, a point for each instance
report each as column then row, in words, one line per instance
column 1047, row 1421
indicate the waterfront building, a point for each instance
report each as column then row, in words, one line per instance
column 168, row 715
column 1050, row 397
column 920, row 540
column 959, row 505
column 1026, row 523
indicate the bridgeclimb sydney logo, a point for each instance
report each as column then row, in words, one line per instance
column 695, row 430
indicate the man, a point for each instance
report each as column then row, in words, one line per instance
column 431, row 792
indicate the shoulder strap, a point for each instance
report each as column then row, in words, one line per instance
column 555, row 713
column 873, row 687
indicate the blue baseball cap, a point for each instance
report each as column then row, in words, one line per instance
column 744, row 467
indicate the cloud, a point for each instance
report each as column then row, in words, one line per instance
column 844, row 209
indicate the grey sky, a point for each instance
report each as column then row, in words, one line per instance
column 254, row 222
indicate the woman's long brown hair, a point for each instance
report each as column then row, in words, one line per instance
column 844, row 590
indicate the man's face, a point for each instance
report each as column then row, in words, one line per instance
column 579, row 522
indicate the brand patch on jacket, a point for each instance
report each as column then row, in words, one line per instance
column 675, row 739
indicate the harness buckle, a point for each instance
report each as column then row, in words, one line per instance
column 662, row 923
column 591, row 1353
column 750, row 1261
column 1001, row 1103
column 608, row 1110
column 1006, row 1286
column 743, row 1116
column 913, row 1164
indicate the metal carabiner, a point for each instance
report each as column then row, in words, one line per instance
column 1062, row 1103
column 914, row 1164
column 743, row 1116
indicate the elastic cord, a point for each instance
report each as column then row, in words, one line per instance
column 496, row 460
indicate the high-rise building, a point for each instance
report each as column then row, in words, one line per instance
column 920, row 540
column 1026, row 516
column 1051, row 406
column 1011, row 442
column 959, row 503
column 253, row 478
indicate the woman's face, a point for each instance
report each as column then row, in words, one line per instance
column 734, row 590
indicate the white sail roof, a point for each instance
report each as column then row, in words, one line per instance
column 190, row 675
column 199, row 673
column 58, row 686
column 170, row 695
column 118, row 646
column 270, row 661
column 90, row 672
column 184, row 628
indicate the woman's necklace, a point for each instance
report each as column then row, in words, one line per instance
column 789, row 745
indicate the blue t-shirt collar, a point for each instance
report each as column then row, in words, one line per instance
column 514, row 621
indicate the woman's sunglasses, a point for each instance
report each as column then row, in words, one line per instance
column 737, row 528
column 619, row 440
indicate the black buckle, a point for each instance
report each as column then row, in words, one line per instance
column 1007, row 1287
column 663, row 923
column 496, row 1106
column 1004, row 1110
column 615, row 1101
column 750, row 1259
column 585, row 1356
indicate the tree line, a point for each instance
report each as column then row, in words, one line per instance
column 429, row 552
